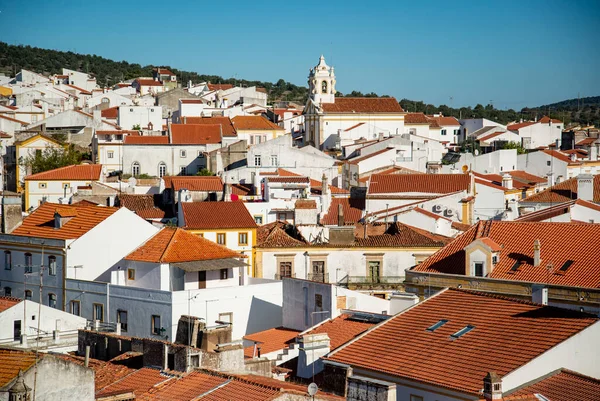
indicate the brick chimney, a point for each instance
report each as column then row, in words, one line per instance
column 492, row 387
column 537, row 249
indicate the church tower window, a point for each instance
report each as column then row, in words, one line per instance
column 324, row 87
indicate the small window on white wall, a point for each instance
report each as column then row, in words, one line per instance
column 135, row 169
column 182, row 153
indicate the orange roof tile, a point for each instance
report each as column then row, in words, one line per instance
column 560, row 242
column 137, row 202
column 563, row 192
column 486, row 138
column 175, row 245
column 10, row 363
column 420, row 183
column 444, row 121
column 118, row 132
column 315, row 185
column 363, row 105
column 353, row 127
column 212, row 215
column 353, row 209
column 192, row 101
column 415, row 118
column 270, row 340
column 342, row 329
column 8, row 302
column 289, row 179
column 185, row 388
column 254, row 123
column 216, row 87
column 562, row 385
column 305, row 204
column 224, row 122
column 507, row 334
column 560, row 156
column 402, row 236
column 146, row 140
column 111, row 112
column 195, row 134
column 80, row 172
column 137, row 382
column 148, row 82
column 518, row 126
column 279, row 234
column 40, row 223
column 85, row 92
column 106, row 373
column 546, row 120
column 194, row 183
column 164, row 71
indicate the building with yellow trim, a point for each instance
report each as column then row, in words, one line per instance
column 256, row 129
column 27, row 148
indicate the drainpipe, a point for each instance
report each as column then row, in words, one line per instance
column 64, row 289
column 107, row 302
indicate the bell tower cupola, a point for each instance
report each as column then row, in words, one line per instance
column 321, row 83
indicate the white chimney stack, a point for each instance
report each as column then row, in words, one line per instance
column 507, row 181
column 537, row 257
column 585, row 187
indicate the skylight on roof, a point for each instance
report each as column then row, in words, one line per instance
column 462, row 331
column 566, row 265
column 437, row 325
column 516, row 266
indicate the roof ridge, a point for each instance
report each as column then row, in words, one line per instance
column 168, row 243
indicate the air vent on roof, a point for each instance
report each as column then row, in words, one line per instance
column 462, row 331
column 437, row 325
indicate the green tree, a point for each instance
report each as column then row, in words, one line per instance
column 136, row 127
column 205, row 172
column 514, row 145
column 52, row 158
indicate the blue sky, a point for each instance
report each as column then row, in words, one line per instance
column 514, row 53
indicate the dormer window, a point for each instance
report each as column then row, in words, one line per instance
column 495, row 258
column 478, row 269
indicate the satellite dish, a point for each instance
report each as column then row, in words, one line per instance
column 476, row 152
column 312, row 389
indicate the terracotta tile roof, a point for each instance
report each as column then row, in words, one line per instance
column 143, row 205
column 353, row 127
column 315, row 185
column 192, row 101
column 429, row 214
column 279, row 234
column 359, row 159
column 342, row 329
column 137, row 382
column 106, row 373
column 546, row 120
column 444, row 121
column 525, row 177
column 391, row 170
column 146, row 140
column 4, row 135
column 40, row 223
column 212, row 215
column 175, row 245
column 195, row 134
column 270, row 340
column 164, row 71
column 290, row 179
column 518, row 126
column 486, row 138
column 186, row 388
column 112, row 112
column 560, row 243
column 460, row 226
column 119, row 132
column 562, row 192
column 194, row 183
column 363, row 105
column 405, row 236
column 420, row 183
column 152, row 213
column 148, row 82
column 586, row 141
column 10, row 363
column 559, row 155
column 305, row 204
column 239, row 390
column 506, row 334
column 254, row 123
column 217, row 87
column 80, row 172
column 562, row 385
column 415, row 118
column 8, row 302
column 85, row 92
column 242, row 189
column 224, row 122
column 353, row 210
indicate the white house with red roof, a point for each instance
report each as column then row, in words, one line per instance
column 553, row 164
column 148, row 86
column 22, row 151
column 539, row 133
column 80, row 79
column 471, row 125
column 107, row 148
column 332, row 122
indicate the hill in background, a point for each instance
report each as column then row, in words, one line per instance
column 109, row 72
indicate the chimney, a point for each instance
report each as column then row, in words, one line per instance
column 539, row 294
column 165, row 357
column 324, row 185
column 256, row 182
column 537, row 258
column 340, row 216
column 550, row 180
column 61, row 218
column 87, row 356
column 507, row 181
column 492, row 387
column 594, row 152
column 585, row 187
column 12, row 217
column 312, row 348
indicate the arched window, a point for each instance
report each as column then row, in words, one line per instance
column 324, row 87
column 105, row 100
column 52, row 265
column 28, row 294
column 162, row 169
column 52, row 300
column 135, row 169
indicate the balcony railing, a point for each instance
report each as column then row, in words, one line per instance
column 318, row 277
column 279, row 276
column 374, row 280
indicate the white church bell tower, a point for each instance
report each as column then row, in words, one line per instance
column 321, row 83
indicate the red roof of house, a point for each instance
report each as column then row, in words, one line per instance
column 214, row 215
column 518, row 126
column 8, row 302
column 175, row 245
column 401, row 235
column 192, row 101
column 40, row 223
column 85, row 92
column 148, row 82
column 560, row 243
column 546, row 120
column 136, row 381
column 4, row 135
column 444, row 121
column 353, row 127
column 421, row 183
column 315, row 185
column 563, row 192
column 118, row 132
column 559, row 155
column 164, row 71
column 195, row 134
column 146, row 140
column 111, row 112
column 353, row 209
column 305, row 204
column 216, row 87
column 415, row 118
column 289, row 179
column 279, row 234
column 506, row 334
column 254, row 123
column 486, row 138
column 342, row 329
column 270, row 340
column 11, row 361
column 562, row 385
column 194, row 183
column 363, row 105
column 79, row 172
column 225, row 123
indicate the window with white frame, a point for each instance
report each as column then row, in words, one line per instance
column 274, row 160
column 162, row 169
column 257, row 161
column 110, row 154
column 28, row 263
column 183, row 153
column 98, row 310
column 443, row 132
column 135, row 169
column 52, row 265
